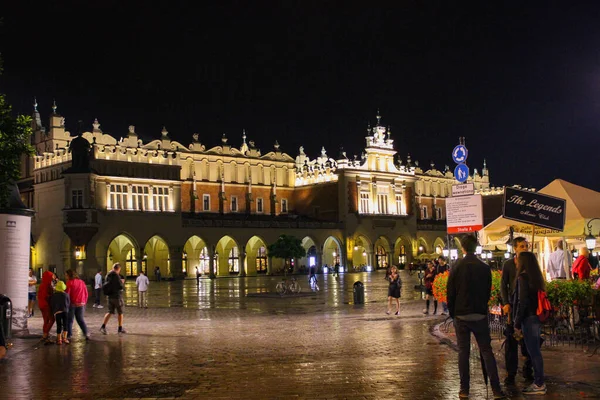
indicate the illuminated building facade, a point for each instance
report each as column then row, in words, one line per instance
column 179, row 207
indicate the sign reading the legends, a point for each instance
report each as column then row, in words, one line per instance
column 463, row 189
column 534, row 208
column 464, row 214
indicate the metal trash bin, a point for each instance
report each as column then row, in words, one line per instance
column 5, row 316
column 359, row 292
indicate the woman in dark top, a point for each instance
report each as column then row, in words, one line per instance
column 394, row 290
column 429, row 278
column 527, row 284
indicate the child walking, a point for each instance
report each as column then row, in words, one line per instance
column 60, row 303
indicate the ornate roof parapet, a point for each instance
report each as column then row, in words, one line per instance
column 321, row 169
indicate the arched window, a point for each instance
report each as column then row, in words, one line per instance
column 131, row 263
column 381, row 257
column 234, row 261
column 204, row 261
column 261, row 260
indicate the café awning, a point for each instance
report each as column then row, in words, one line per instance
column 582, row 205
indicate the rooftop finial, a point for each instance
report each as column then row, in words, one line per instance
column 484, row 164
column 243, row 136
column 96, row 125
column 54, row 107
column 164, row 132
column 35, row 104
column 378, row 117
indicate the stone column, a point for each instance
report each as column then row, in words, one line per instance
column 242, row 258
column 370, row 259
column 211, row 262
column 176, row 263
column 269, row 265
column 319, row 261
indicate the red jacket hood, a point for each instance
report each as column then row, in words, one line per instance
column 45, row 290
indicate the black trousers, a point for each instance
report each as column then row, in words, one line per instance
column 511, row 354
column 481, row 331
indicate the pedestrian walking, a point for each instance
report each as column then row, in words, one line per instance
column 529, row 281
column 469, row 289
column 142, row 283
column 98, row 289
column 429, row 278
column 336, row 270
column 512, row 345
column 440, row 269
column 45, row 292
column 198, row 274
column 113, row 288
column 31, row 295
column 60, row 304
column 157, row 273
column 394, row 291
column 78, row 295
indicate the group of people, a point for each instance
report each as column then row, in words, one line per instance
column 432, row 269
column 63, row 303
column 560, row 261
column 468, row 291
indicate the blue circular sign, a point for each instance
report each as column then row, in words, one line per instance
column 460, row 154
column 461, row 173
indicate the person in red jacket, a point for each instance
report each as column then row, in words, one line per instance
column 44, row 293
column 77, row 291
column 582, row 266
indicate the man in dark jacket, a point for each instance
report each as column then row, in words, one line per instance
column 469, row 289
column 113, row 288
column 507, row 289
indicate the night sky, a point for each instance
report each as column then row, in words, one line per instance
column 520, row 81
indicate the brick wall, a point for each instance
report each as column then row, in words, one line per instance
column 319, row 201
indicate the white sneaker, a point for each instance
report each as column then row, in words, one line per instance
column 94, row 305
column 100, row 306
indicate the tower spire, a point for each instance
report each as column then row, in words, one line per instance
column 35, row 104
column 378, row 116
column 54, row 106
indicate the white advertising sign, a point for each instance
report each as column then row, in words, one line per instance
column 464, row 214
column 463, row 189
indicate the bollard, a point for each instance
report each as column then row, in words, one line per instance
column 359, row 293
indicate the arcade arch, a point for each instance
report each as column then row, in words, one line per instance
column 227, row 256
column 360, row 252
column 123, row 250
column 256, row 256
column 382, row 253
column 156, row 254
column 312, row 258
column 402, row 251
column 195, row 254
column 332, row 252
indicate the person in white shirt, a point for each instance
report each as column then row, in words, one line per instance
column 556, row 262
column 31, row 292
column 98, row 289
column 142, row 283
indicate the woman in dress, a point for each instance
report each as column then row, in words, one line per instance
column 394, row 290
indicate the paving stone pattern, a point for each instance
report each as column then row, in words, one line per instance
column 230, row 339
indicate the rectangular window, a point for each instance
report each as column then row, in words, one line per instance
column 118, row 197
column 364, row 203
column 382, row 200
column 206, row 202
column 160, row 198
column 399, row 208
column 424, row 213
column 77, row 198
column 438, row 213
column 259, row 205
column 234, row 204
column 284, row 206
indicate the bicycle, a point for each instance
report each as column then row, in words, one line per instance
column 290, row 286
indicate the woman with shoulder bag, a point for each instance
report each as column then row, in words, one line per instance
column 394, row 290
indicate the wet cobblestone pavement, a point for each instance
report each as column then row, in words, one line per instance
column 231, row 339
